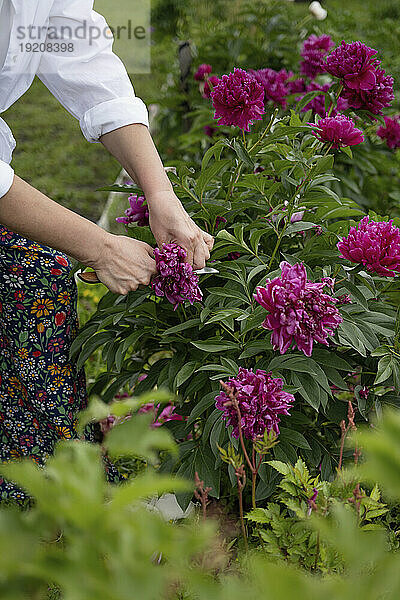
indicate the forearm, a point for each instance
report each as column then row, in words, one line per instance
column 30, row 213
column 134, row 149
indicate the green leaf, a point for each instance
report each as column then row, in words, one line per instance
column 136, row 438
column 215, row 346
column 294, row 437
column 384, row 370
column 242, row 153
column 207, row 175
column 184, row 373
column 257, row 347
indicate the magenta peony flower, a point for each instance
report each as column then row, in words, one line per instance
column 176, row 279
column 339, row 131
column 376, row 245
column 313, row 52
column 355, row 64
column 238, row 100
column 300, row 313
column 202, row 72
column 261, row 400
column 274, row 84
column 317, row 104
column 219, row 220
column 391, row 131
column 137, row 213
column 375, row 99
column 233, row 255
column 295, row 86
column 213, row 80
column 167, row 414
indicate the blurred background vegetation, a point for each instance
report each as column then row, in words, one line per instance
column 51, row 152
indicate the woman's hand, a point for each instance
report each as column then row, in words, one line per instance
column 124, row 264
column 170, row 222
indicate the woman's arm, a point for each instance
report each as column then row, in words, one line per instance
column 93, row 85
column 133, row 147
column 120, row 262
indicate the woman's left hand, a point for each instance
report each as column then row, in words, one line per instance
column 169, row 222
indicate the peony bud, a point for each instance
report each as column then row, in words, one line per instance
column 318, row 11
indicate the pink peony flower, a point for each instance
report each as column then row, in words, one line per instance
column 202, row 72
column 176, row 279
column 376, row 245
column 354, row 64
column 391, row 131
column 295, row 86
column 167, row 414
column 213, row 80
column 238, row 100
column 313, row 52
column 339, row 131
column 138, row 212
column 374, row 99
column 274, row 84
column 300, row 313
column 261, row 400
column 219, row 220
column 317, row 104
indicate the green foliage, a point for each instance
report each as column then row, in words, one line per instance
column 286, row 530
column 190, row 350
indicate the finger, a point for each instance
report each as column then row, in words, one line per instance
column 190, row 256
column 199, row 258
column 209, row 240
column 150, row 251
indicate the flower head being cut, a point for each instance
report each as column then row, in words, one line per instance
column 176, row 279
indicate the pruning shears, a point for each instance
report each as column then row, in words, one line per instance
column 91, row 276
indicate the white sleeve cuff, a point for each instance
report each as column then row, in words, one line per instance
column 6, row 178
column 113, row 114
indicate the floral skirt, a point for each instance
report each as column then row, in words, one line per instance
column 41, row 391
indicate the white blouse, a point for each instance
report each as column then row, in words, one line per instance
column 89, row 80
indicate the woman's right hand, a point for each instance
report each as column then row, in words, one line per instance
column 124, row 263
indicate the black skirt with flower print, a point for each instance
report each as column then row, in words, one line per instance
column 41, row 391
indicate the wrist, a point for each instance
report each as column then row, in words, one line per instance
column 162, row 199
column 99, row 245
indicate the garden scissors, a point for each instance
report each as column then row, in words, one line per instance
column 91, row 277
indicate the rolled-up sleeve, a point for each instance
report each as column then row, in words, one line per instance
column 91, row 82
column 6, row 178
column 7, row 145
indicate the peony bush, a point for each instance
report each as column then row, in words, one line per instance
column 262, row 354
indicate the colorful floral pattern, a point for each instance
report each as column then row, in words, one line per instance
column 41, row 391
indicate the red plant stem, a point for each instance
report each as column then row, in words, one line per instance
column 345, row 430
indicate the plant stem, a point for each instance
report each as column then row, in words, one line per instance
column 266, row 130
column 336, row 101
